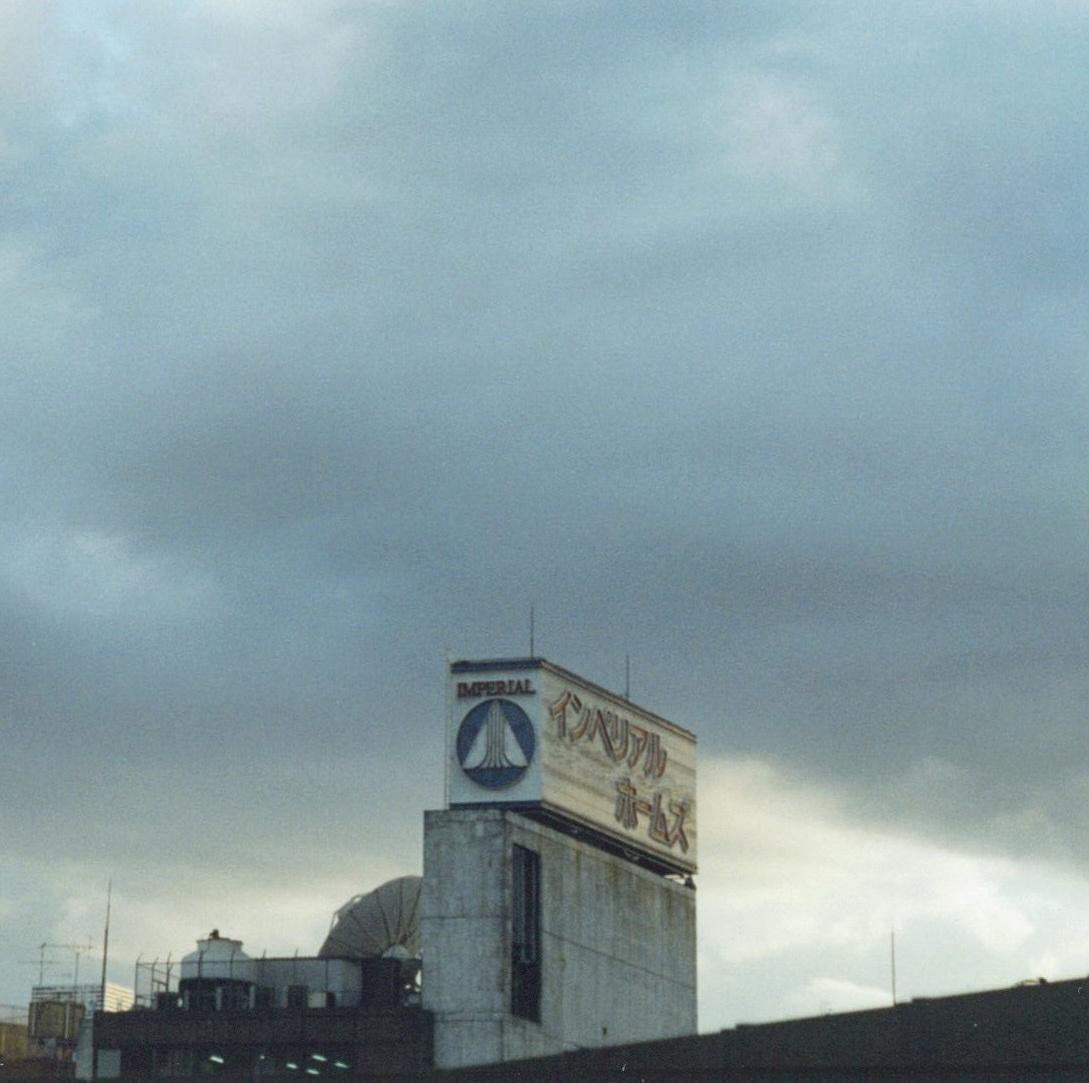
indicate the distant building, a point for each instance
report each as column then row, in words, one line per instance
column 223, row 1011
column 59, row 1015
column 14, row 1041
column 94, row 997
column 555, row 929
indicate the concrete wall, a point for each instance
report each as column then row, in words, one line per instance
column 618, row 943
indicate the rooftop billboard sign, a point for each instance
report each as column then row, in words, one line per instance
column 524, row 733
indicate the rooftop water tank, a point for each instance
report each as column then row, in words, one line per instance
column 218, row 958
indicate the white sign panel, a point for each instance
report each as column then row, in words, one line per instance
column 524, row 733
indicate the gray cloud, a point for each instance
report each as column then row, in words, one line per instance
column 751, row 344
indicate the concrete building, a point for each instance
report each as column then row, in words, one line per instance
column 556, row 927
column 559, row 907
column 556, row 913
column 326, row 1015
column 585, row 950
column 1037, row 1033
column 338, row 1042
column 59, row 1016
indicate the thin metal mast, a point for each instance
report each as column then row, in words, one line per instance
column 892, row 953
column 449, row 715
column 106, row 940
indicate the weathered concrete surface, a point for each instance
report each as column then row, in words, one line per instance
column 618, row 943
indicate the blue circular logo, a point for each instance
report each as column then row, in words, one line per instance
column 495, row 743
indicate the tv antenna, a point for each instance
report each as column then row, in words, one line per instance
column 42, row 962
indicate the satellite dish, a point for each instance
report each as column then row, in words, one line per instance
column 383, row 923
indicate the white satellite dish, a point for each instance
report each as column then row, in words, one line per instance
column 382, row 923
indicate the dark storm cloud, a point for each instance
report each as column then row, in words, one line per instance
column 752, row 344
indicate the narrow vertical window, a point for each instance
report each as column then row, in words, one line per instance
column 525, row 947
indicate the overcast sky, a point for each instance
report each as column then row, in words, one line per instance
column 748, row 339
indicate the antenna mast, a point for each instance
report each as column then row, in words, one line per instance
column 42, row 962
column 892, row 959
column 449, row 715
column 106, row 939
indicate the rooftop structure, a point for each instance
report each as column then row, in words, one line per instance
column 1029, row 1033
column 111, row 997
column 556, row 911
column 558, row 906
column 228, row 1012
column 526, row 734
